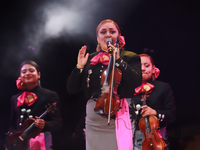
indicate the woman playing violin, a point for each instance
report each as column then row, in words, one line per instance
column 159, row 101
column 31, row 102
column 87, row 75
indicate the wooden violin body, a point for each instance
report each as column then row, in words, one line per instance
column 103, row 102
column 149, row 126
column 153, row 140
column 19, row 140
column 108, row 103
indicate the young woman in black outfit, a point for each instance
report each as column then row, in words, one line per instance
column 159, row 102
column 31, row 102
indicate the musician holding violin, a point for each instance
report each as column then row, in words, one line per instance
column 35, row 112
column 107, row 76
column 154, row 107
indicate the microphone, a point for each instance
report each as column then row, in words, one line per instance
column 109, row 41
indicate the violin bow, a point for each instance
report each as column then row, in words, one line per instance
column 113, row 69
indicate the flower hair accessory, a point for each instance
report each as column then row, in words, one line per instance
column 156, row 74
column 20, row 84
column 122, row 41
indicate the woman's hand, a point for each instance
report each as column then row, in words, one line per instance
column 146, row 111
column 113, row 49
column 82, row 58
column 40, row 123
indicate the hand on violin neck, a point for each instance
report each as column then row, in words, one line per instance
column 147, row 111
column 82, row 57
column 40, row 123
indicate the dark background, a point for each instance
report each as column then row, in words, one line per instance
column 169, row 28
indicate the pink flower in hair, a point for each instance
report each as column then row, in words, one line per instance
column 20, row 84
column 157, row 72
column 121, row 41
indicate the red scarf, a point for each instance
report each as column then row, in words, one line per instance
column 102, row 57
column 27, row 97
column 145, row 88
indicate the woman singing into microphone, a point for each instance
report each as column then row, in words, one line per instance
column 86, row 76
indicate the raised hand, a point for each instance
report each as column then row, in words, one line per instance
column 82, row 57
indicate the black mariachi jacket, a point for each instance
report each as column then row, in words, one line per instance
column 162, row 100
column 90, row 79
column 53, row 121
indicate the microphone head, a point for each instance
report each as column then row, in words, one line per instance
column 108, row 40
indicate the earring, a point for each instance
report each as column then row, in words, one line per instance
column 98, row 47
column 153, row 77
column 39, row 82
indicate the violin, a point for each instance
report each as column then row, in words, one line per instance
column 19, row 140
column 149, row 126
column 108, row 103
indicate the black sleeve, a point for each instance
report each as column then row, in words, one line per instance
column 13, row 118
column 130, row 65
column 168, row 113
column 54, row 121
column 131, row 70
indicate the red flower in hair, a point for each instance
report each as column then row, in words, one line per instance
column 157, row 72
column 121, row 41
column 20, row 84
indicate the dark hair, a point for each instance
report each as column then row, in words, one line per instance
column 146, row 55
column 31, row 63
